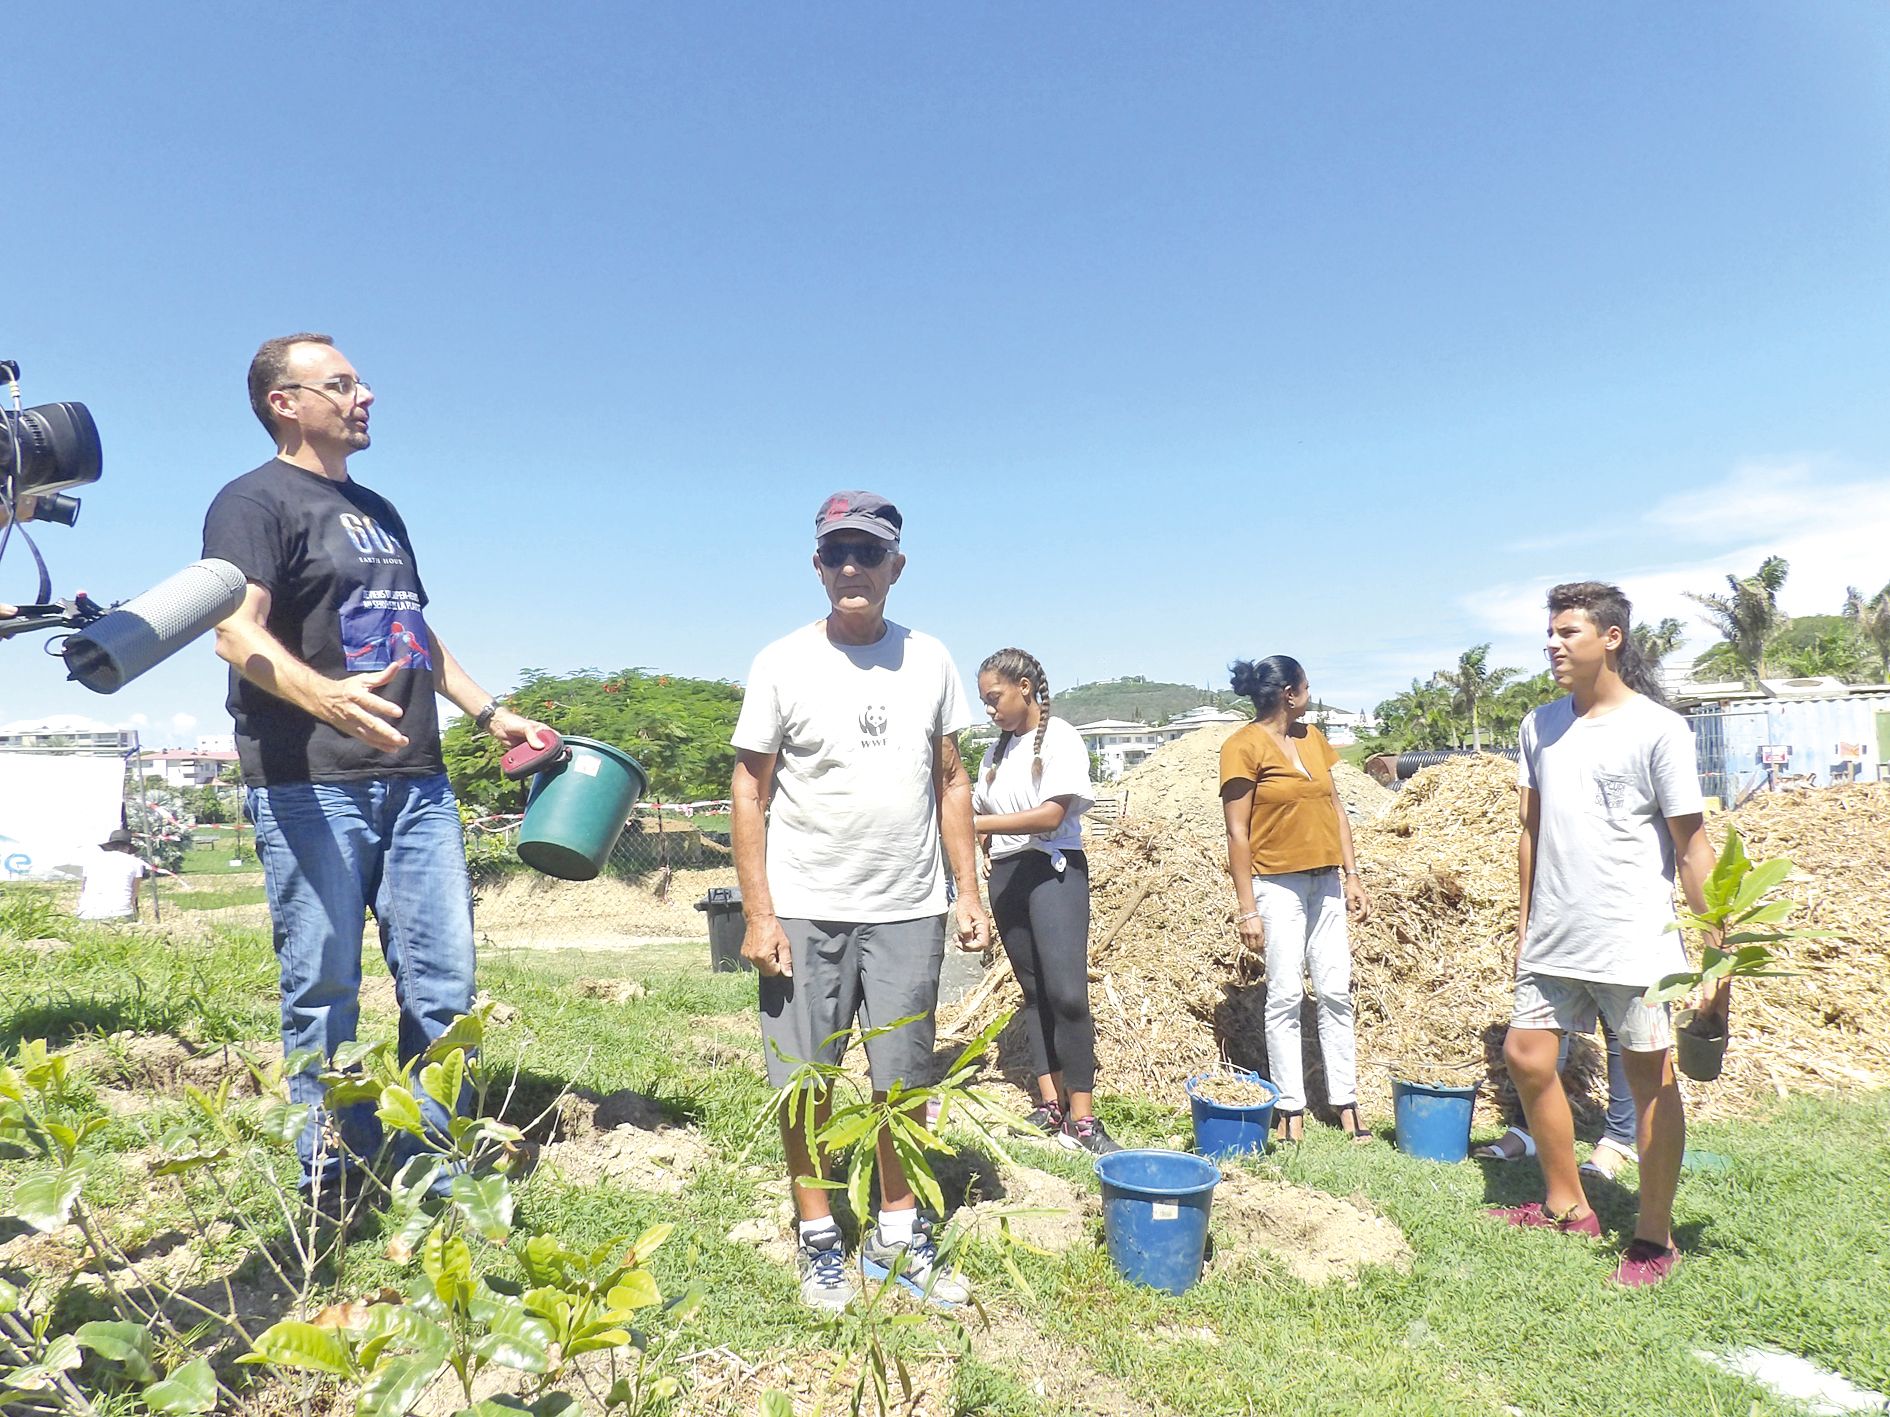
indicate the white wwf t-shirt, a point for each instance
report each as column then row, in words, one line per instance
column 1603, row 887
column 105, row 891
column 1018, row 788
column 853, row 826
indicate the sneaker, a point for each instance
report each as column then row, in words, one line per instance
column 1645, row 1264
column 1087, row 1134
column 1536, row 1216
column 921, row 1273
column 826, row 1282
column 1048, row 1118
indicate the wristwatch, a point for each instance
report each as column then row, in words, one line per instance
column 483, row 719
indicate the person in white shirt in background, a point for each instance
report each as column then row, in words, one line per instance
column 109, row 888
column 1027, row 808
column 1611, row 807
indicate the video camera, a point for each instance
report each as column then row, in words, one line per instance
column 44, row 452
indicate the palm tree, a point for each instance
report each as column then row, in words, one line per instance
column 1747, row 616
column 1872, row 618
column 1471, row 683
column 1656, row 642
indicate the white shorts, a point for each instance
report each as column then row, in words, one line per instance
column 1562, row 1005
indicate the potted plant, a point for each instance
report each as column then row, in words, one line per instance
column 1746, row 915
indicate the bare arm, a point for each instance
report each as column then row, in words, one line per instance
column 348, row 705
column 1047, row 817
column 452, row 681
column 1693, row 855
column 1529, row 812
column 1237, row 808
column 1357, row 900
column 764, row 943
column 952, row 787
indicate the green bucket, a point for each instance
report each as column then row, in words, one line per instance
column 577, row 810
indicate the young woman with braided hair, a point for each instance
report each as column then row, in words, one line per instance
column 1027, row 807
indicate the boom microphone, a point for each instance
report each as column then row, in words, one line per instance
column 149, row 628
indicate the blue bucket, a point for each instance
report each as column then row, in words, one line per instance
column 1224, row 1130
column 1155, row 1215
column 1433, row 1119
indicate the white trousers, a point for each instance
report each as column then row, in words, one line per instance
column 1304, row 915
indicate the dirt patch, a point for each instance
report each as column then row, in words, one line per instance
column 163, row 1062
column 527, row 910
column 611, row 991
column 624, row 1138
column 378, row 996
column 722, row 1381
column 49, row 1256
column 1317, row 1237
column 1056, row 1373
column 1037, row 1207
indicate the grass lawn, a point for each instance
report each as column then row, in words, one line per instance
column 1788, row 1246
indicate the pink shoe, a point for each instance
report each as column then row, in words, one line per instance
column 1645, row 1264
column 1536, row 1216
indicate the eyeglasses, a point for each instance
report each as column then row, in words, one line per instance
column 342, row 386
column 864, row 554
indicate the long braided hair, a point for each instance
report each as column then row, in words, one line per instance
column 1016, row 666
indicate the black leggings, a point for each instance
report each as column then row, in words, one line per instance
column 1043, row 919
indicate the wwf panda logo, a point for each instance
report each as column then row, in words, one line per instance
column 873, row 721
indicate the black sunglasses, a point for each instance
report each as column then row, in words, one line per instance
column 864, row 554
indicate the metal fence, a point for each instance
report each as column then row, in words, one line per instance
column 663, row 865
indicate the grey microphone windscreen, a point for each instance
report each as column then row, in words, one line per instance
column 115, row 649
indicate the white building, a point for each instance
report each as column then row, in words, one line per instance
column 1120, row 745
column 70, row 732
column 185, row 767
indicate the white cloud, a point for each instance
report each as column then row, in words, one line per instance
column 138, row 720
column 183, row 722
column 1833, row 528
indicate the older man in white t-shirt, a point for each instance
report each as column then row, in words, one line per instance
column 847, row 778
column 1611, row 807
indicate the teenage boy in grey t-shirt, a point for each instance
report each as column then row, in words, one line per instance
column 1610, row 805
column 847, row 777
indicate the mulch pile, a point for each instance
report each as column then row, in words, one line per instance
column 1173, row 993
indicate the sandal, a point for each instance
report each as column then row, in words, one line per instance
column 1495, row 1151
column 1357, row 1132
column 1281, row 1117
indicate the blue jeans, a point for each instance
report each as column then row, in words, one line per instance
column 1620, row 1125
column 329, row 850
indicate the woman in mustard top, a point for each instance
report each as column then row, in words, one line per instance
column 1289, row 850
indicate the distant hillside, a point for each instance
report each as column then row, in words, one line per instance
column 1134, row 700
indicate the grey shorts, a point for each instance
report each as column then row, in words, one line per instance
column 881, row 972
column 1563, row 1005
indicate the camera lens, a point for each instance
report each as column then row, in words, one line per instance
column 57, row 447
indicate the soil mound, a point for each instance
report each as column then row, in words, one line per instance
column 1173, row 993
column 1316, row 1237
column 524, row 909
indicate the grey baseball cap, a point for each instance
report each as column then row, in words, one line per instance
column 858, row 511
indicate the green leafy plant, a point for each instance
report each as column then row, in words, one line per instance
column 477, row 1299
column 1743, row 911
column 854, row 1125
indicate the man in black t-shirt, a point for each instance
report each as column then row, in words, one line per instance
column 334, row 667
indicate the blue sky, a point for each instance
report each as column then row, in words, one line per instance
column 1179, row 333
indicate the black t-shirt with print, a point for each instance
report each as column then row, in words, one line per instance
column 345, row 598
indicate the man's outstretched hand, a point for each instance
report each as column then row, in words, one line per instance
column 352, row 706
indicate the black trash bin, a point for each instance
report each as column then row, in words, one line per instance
column 727, row 925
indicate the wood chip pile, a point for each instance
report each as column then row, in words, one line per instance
column 1431, row 975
